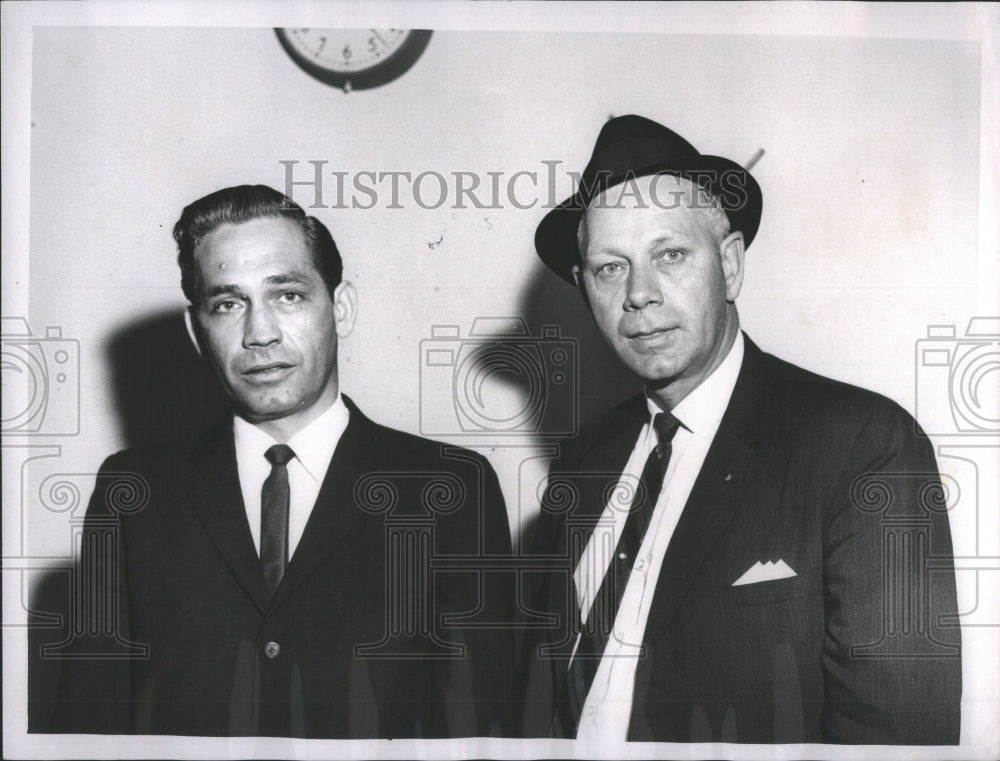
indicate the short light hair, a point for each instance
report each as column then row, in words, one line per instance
column 709, row 207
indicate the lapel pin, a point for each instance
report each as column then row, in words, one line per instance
column 729, row 476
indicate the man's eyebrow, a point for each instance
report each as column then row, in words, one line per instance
column 289, row 278
column 677, row 237
column 286, row 278
column 606, row 251
column 223, row 289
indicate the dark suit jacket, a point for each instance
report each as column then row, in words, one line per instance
column 860, row 646
column 361, row 643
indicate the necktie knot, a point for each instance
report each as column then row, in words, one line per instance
column 279, row 454
column 666, row 426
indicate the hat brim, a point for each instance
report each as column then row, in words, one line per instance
column 734, row 186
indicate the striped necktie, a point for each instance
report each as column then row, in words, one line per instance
column 601, row 619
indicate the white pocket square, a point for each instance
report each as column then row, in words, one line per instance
column 768, row 571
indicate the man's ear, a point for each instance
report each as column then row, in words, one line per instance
column 732, row 253
column 190, row 321
column 345, row 308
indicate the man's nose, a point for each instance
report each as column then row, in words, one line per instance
column 260, row 328
column 642, row 288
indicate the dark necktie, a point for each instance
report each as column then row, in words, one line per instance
column 600, row 622
column 274, row 502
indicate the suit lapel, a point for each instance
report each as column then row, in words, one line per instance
column 214, row 489
column 595, row 476
column 710, row 508
column 715, row 496
column 602, row 467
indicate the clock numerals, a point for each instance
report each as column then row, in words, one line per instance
column 354, row 58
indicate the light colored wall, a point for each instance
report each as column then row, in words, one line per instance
column 869, row 228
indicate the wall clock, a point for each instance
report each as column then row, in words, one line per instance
column 354, row 59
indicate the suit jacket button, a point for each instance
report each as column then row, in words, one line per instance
column 272, row 650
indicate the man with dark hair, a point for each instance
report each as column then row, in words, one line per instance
column 243, row 204
column 748, row 552
column 276, row 577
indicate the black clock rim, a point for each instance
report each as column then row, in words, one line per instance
column 385, row 71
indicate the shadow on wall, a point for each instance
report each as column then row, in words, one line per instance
column 48, row 625
column 163, row 390
column 600, row 383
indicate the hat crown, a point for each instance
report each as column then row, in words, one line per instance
column 640, row 139
column 631, row 144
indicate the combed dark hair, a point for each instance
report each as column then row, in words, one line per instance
column 244, row 203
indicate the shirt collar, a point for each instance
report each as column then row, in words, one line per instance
column 313, row 445
column 704, row 407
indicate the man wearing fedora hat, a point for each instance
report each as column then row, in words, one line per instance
column 746, row 551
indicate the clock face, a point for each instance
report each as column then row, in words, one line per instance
column 354, row 59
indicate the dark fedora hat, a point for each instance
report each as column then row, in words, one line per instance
column 633, row 146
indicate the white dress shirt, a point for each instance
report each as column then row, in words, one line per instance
column 313, row 446
column 608, row 707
